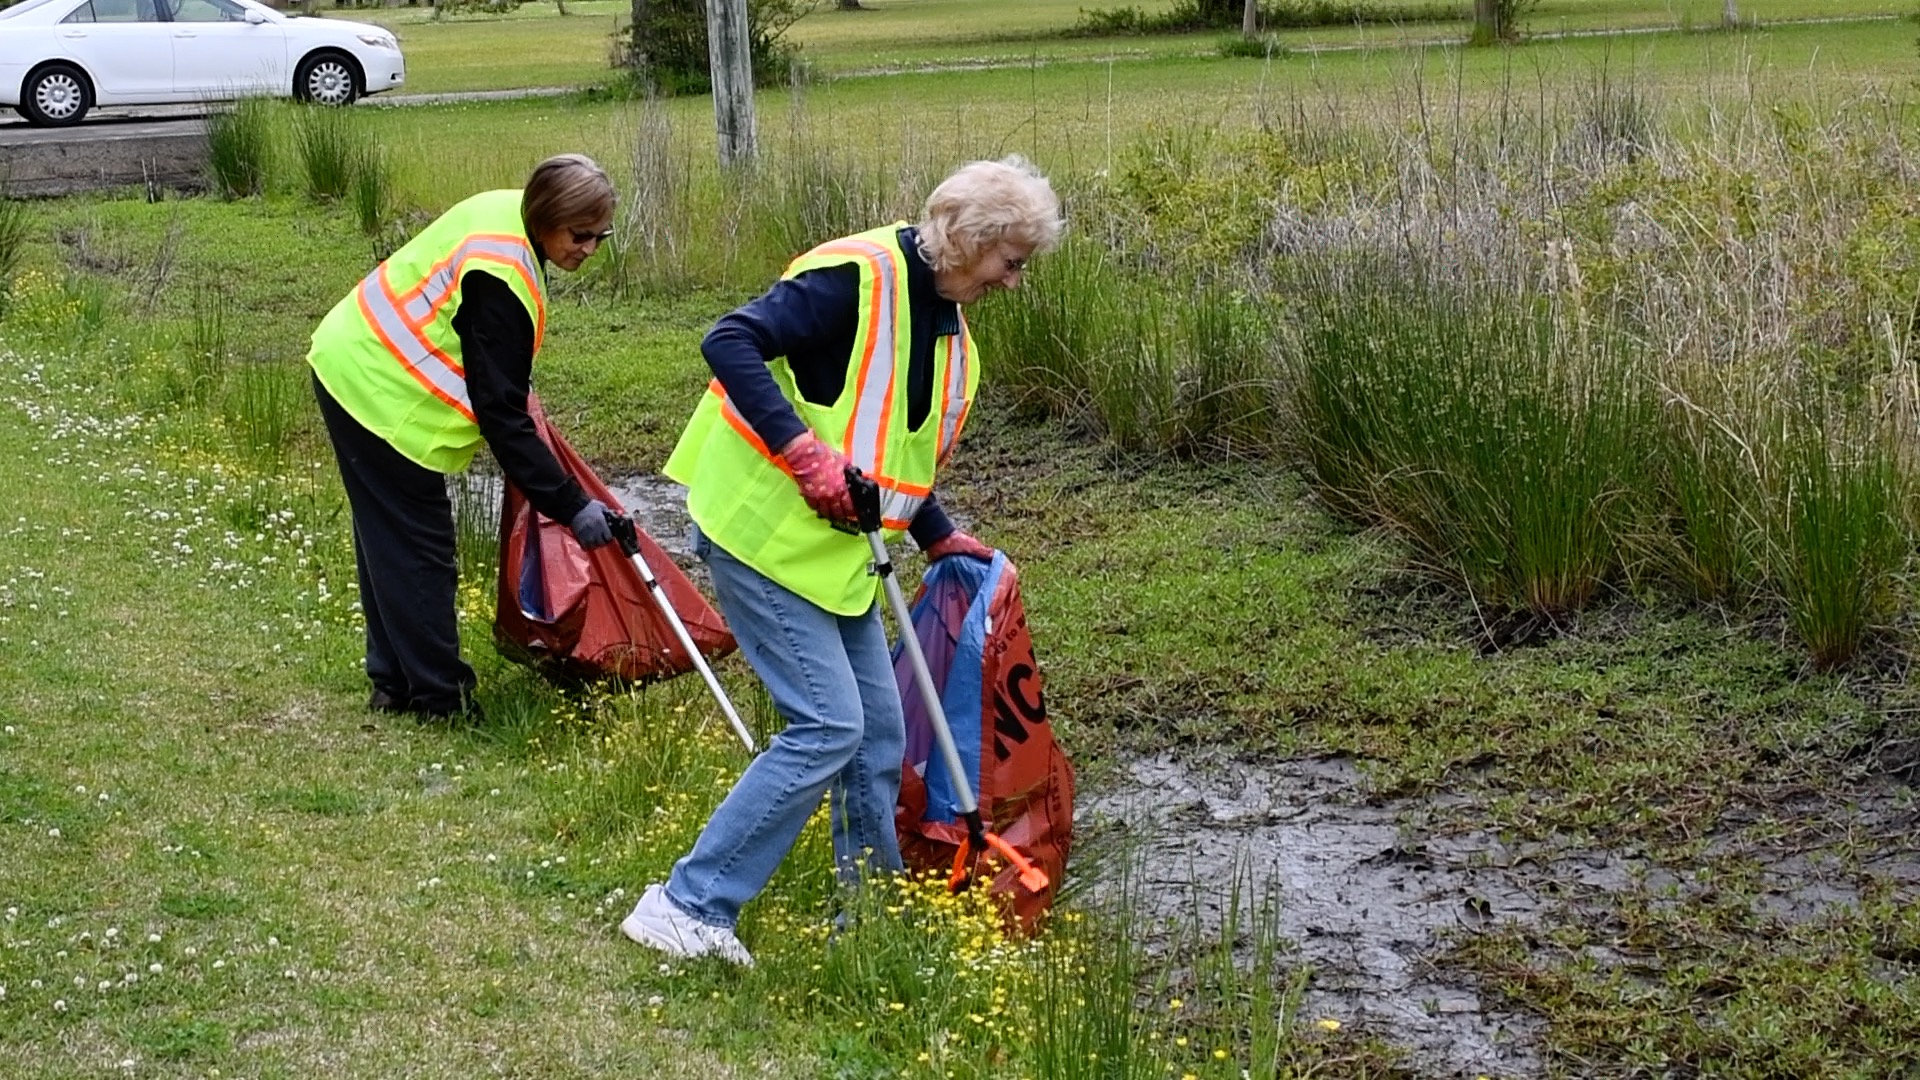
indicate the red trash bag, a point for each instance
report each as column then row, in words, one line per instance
column 575, row 614
column 972, row 626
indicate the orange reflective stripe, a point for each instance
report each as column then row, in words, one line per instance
column 865, row 439
column 954, row 403
column 421, row 360
column 424, row 301
column 400, row 322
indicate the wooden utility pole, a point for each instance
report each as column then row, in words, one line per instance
column 1486, row 22
column 730, row 57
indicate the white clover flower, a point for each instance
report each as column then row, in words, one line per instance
column 60, row 1005
column 153, row 939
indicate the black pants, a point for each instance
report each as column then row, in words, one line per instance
column 403, row 546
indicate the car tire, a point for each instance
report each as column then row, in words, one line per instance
column 328, row 78
column 55, row 96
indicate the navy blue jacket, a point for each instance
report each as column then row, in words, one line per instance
column 811, row 319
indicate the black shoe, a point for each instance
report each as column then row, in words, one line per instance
column 387, row 701
column 465, row 714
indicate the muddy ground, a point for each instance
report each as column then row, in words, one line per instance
column 1374, row 894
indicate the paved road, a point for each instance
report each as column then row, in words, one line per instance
column 168, row 120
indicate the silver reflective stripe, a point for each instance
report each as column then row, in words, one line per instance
column 897, row 509
column 870, row 411
column 440, row 283
column 957, row 361
column 448, row 384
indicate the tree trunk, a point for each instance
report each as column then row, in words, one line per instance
column 730, row 56
column 1486, row 22
column 1250, row 18
column 849, row 5
column 1730, row 14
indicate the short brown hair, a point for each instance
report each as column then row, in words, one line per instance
column 566, row 189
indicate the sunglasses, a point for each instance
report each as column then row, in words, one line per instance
column 582, row 236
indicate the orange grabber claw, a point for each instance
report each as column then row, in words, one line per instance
column 1031, row 876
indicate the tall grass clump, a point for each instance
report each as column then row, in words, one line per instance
column 1705, row 529
column 263, row 406
column 1047, row 340
column 15, row 229
column 371, row 187
column 204, row 364
column 331, row 149
column 240, row 144
column 1501, row 446
column 658, row 243
column 1841, row 536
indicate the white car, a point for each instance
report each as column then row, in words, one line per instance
column 60, row 58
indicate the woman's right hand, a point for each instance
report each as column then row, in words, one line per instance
column 821, row 473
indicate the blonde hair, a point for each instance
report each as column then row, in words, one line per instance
column 984, row 203
column 566, row 189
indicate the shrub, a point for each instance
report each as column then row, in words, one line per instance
column 240, row 147
column 666, row 51
column 1190, row 15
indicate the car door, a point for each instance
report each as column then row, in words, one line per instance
column 124, row 47
column 218, row 53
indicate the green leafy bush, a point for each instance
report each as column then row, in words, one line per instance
column 665, row 52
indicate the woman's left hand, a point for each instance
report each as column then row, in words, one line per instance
column 958, row 543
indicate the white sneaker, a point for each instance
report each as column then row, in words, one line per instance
column 657, row 923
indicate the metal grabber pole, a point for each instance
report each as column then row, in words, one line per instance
column 866, row 503
column 627, row 536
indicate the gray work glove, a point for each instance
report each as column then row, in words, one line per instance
column 590, row 525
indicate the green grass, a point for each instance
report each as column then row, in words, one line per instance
column 343, row 893
column 535, row 46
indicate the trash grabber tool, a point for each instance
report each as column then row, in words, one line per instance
column 627, row 536
column 866, row 503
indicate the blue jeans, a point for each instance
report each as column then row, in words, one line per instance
column 831, row 679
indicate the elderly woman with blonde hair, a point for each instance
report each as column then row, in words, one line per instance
column 859, row 356
column 429, row 357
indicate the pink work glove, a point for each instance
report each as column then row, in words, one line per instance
column 821, row 473
column 958, row 543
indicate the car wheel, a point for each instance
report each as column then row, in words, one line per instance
column 55, row 96
column 327, row 78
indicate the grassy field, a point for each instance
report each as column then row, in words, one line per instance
column 535, row 46
column 212, row 860
column 1076, row 118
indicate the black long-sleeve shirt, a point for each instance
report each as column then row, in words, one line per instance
column 496, row 347
column 811, row 319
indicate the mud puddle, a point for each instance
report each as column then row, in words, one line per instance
column 1373, row 892
column 659, row 505
column 1363, row 901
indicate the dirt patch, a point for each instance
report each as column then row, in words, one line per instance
column 1366, row 901
column 1375, row 893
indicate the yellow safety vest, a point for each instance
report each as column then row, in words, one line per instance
column 388, row 352
column 742, row 495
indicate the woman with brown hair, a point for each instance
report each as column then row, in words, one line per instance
column 428, row 358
